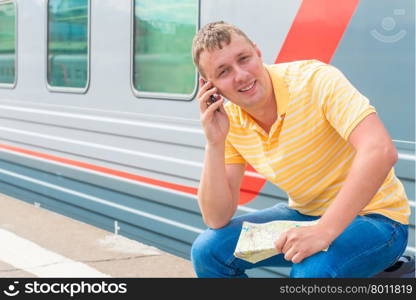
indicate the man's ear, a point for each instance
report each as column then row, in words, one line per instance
column 257, row 50
column 202, row 76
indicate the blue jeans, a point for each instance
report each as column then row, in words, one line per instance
column 367, row 246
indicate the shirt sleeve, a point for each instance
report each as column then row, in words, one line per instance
column 341, row 103
column 232, row 156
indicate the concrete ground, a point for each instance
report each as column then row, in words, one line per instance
column 41, row 243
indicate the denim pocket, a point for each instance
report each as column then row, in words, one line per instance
column 399, row 233
column 403, row 232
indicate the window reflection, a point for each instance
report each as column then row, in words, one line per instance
column 163, row 33
column 7, row 43
column 68, row 43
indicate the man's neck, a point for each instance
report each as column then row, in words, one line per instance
column 265, row 116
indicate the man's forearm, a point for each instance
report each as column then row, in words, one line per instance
column 368, row 172
column 214, row 195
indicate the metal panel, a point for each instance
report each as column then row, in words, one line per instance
column 144, row 217
column 162, row 139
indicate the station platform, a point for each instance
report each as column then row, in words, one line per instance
column 40, row 243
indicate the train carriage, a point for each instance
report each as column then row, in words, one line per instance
column 98, row 116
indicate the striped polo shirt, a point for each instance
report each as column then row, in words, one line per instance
column 306, row 153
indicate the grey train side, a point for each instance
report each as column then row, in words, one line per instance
column 98, row 135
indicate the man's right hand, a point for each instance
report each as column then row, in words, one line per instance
column 215, row 123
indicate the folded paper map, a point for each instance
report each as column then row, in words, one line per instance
column 256, row 241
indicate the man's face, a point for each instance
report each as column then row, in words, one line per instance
column 238, row 73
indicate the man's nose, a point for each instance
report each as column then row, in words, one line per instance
column 241, row 75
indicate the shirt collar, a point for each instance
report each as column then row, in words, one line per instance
column 280, row 88
column 281, row 93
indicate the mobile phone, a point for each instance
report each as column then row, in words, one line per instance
column 212, row 99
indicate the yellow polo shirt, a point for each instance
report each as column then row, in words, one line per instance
column 306, row 152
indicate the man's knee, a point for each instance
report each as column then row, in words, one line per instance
column 210, row 252
column 200, row 248
column 203, row 250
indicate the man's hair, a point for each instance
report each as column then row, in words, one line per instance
column 211, row 37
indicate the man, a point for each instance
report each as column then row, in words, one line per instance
column 305, row 128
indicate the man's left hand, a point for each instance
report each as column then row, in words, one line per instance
column 299, row 243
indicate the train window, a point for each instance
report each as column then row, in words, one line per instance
column 68, row 45
column 162, row 59
column 7, row 44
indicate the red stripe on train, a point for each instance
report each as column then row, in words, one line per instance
column 315, row 34
column 317, row 30
column 172, row 186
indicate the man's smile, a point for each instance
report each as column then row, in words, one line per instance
column 247, row 88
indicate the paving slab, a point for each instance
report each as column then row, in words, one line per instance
column 80, row 243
